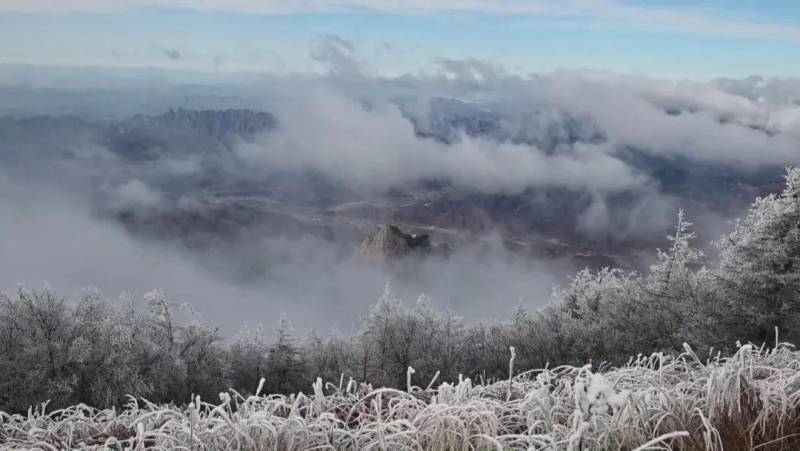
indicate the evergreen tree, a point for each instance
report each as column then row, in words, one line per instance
column 284, row 363
column 760, row 266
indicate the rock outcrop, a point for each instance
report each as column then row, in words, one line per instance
column 389, row 242
column 221, row 125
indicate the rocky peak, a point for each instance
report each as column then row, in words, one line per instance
column 388, row 241
column 220, row 125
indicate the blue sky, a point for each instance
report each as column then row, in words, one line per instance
column 696, row 39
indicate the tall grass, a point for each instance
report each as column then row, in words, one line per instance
column 750, row 400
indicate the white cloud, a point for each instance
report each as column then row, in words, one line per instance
column 379, row 148
column 712, row 125
column 134, row 194
column 702, row 121
column 339, row 55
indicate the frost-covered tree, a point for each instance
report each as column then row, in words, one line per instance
column 53, row 350
column 285, row 372
column 377, row 338
column 529, row 337
column 394, row 338
column 485, row 351
column 439, row 345
column 664, row 310
column 247, row 358
column 101, row 356
column 36, row 341
column 759, row 269
column 204, row 359
column 331, row 357
column 590, row 317
column 611, row 314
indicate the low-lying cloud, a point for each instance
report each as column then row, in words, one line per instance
column 379, row 148
column 133, row 194
column 53, row 237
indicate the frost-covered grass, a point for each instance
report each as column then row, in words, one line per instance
column 748, row 401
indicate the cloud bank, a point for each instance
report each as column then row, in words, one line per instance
column 379, row 148
column 506, row 132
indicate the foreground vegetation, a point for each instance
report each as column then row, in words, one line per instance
column 749, row 401
column 107, row 354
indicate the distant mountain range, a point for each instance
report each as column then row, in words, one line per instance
column 176, row 127
column 544, row 129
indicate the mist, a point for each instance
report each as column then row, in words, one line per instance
column 75, row 211
column 56, row 239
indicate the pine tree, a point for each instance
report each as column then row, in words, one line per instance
column 284, row 364
column 760, row 265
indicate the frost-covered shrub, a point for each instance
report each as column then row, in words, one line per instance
column 747, row 401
